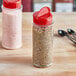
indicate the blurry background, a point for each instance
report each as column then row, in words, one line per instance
column 55, row 5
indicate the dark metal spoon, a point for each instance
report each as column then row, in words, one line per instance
column 64, row 33
column 72, row 32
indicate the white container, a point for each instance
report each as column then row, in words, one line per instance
column 12, row 28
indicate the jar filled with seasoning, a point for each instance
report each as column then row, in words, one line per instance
column 12, row 24
column 42, row 38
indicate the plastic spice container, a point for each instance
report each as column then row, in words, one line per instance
column 12, row 24
column 42, row 38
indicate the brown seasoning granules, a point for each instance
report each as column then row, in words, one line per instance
column 42, row 45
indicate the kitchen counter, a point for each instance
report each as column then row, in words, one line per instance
column 19, row 62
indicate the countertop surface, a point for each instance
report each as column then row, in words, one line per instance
column 19, row 62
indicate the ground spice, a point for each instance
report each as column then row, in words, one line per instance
column 42, row 45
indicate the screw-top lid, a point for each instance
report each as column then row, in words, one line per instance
column 43, row 17
column 12, row 4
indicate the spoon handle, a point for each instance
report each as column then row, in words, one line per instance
column 72, row 39
column 74, row 35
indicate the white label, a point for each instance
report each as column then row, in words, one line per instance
column 64, row 7
column 38, row 6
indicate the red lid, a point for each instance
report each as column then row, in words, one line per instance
column 43, row 17
column 12, row 4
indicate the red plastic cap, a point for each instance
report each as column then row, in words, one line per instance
column 43, row 17
column 12, row 4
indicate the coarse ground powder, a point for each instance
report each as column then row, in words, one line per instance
column 42, row 45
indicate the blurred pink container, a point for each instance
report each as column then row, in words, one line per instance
column 27, row 5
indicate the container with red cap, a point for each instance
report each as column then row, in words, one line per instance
column 42, row 38
column 12, row 24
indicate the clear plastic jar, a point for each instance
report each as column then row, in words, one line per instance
column 42, row 45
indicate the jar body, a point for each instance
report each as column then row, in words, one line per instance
column 12, row 28
column 42, row 45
